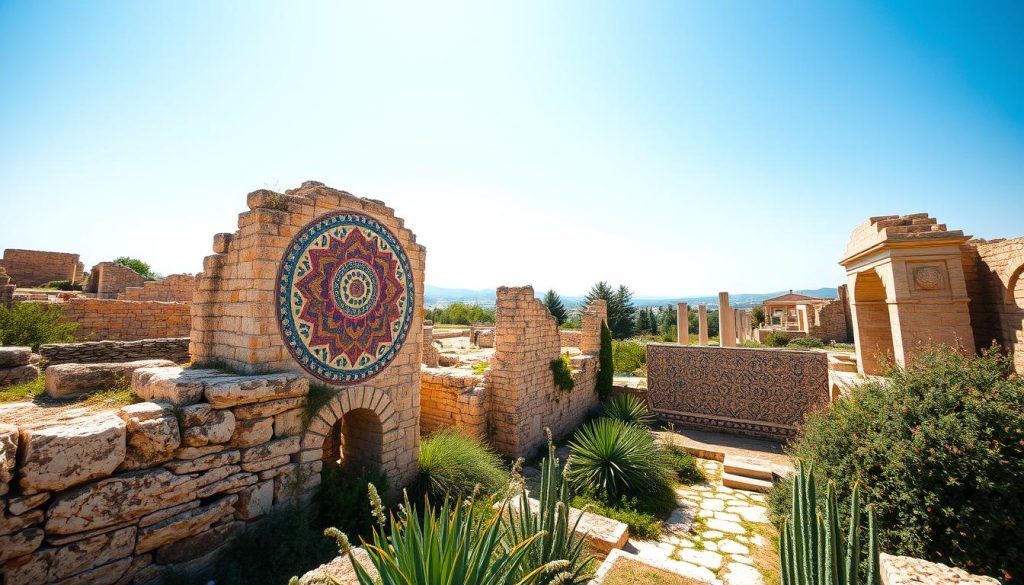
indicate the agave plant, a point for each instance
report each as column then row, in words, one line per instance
column 550, row 517
column 613, row 458
column 630, row 409
column 811, row 549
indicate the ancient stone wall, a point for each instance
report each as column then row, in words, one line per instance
column 108, row 280
column 522, row 397
column 453, row 398
column 757, row 392
column 28, row 268
column 100, row 319
column 830, row 322
column 993, row 274
column 175, row 288
column 95, row 352
column 246, row 312
column 6, row 289
column 570, row 337
column 119, row 496
column 431, row 355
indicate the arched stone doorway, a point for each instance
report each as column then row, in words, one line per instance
column 358, row 427
column 871, row 321
column 1013, row 314
column 356, row 440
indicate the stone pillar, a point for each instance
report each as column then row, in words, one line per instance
column 682, row 324
column 702, row 324
column 726, row 322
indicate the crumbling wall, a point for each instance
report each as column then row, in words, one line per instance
column 100, row 319
column 108, row 279
column 28, row 268
column 830, row 322
column 175, row 288
column 993, row 274
column 569, row 337
column 453, row 398
column 97, row 352
column 6, row 289
column 522, row 397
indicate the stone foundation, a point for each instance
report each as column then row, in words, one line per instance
column 90, row 352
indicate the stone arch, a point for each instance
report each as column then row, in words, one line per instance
column 356, row 426
column 873, row 326
column 1010, row 275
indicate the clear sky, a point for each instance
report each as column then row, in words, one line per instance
column 680, row 147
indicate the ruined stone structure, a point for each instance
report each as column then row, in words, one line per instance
column 702, row 324
column 516, row 398
column 108, row 279
column 329, row 285
column 6, row 288
column 92, row 352
column 682, row 324
column 757, row 392
column 996, row 290
column 795, row 315
column 726, row 322
column 29, row 268
column 176, row 288
column 111, row 319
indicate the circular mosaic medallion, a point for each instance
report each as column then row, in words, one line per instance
column 344, row 297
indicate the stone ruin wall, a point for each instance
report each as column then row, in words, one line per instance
column 831, row 322
column 453, row 399
column 6, row 288
column 176, row 288
column 234, row 322
column 992, row 271
column 757, row 392
column 570, row 337
column 29, row 268
column 111, row 319
column 107, row 280
column 108, row 351
column 119, row 496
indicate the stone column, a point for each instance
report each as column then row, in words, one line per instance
column 726, row 322
column 682, row 324
column 702, row 324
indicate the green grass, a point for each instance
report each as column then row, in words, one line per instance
column 452, row 465
column 479, row 367
column 643, row 525
column 26, row 391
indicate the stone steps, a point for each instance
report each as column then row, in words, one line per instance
column 747, row 473
column 741, row 482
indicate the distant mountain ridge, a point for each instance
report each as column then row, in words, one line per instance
column 439, row 296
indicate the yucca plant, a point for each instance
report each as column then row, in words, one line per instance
column 629, row 408
column 812, row 550
column 445, row 546
column 612, row 458
column 550, row 517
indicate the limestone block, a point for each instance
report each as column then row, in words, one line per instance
column 204, row 425
column 251, row 389
column 59, row 455
column 91, row 553
column 119, row 571
column 18, row 375
column 230, row 484
column 178, row 386
column 18, row 506
column 340, row 569
column 117, row 499
column 152, row 434
column 8, row 454
column 265, row 464
column 256, row 500
column 197, row 452
column 288, row 423
column 211, row 461
column 161, row 515
column 11, row 524
column 269, row 408
column 65, row 380
column 184, row 524
column 198, row 545
column 253, row 431
column 12, row 356
column 270, row 450
column 20, row 543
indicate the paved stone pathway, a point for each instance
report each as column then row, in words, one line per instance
column 713, row 535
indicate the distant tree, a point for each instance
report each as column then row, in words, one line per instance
column 643, row 321
column 757, row 315
column 652, row 320
column 461, row 314
column 554, row 304
column 667, row 317
column 621, row 311
column 142, row 268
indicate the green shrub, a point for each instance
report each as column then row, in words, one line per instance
column 750, row 343
column 341, row 500
column 644, row 525
column 479, row 367
column 561, row 370
column 559, row 541
column 452, row 465
column 460, row 314
column 34, row 324
column 685, row 465
column 808, row 342
column 629, row 408
column 939, row 448
column 629, row 356
column 141, row 268
column 776, row 339
column 606, row 364
column 612, row 459
column 65, row 285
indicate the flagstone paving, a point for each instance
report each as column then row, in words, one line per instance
column 714, row 535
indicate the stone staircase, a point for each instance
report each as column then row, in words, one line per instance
column 747, row 473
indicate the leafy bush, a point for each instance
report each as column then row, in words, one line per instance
column 66, row 285
column 34, row 324
column 776, row 339
column 341, row 500
column 461, row 314
column 629, row 409
column 452, row 465
column 611, row 459
column 561, row 370
column 559, row 541
column 808, row 342
column 939, row 448
column 685, row 465
column 606, row 364
column 141, row 268
column 629, row 356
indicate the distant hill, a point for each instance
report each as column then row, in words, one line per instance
column 440, row 296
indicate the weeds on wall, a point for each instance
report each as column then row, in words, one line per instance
column 561, row 370
column 319, row 395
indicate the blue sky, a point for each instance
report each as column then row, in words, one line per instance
column 679, row 147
